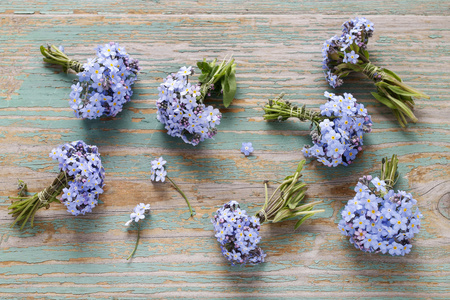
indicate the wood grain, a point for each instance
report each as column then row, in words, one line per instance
column 276, row 45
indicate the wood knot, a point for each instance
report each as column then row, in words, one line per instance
column 444, row 205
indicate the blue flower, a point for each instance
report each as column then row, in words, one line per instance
column 307, row 151
column 395, row 248
column 137, row 215
column 158, row 163
column 160, row 175
column 348, row 213
column 247, row 148
column 352, row 57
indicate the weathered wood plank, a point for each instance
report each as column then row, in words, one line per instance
column 277, row 49
column 232, row 7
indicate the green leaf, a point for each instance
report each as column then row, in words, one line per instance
column 300, row 166
column 344, row 74
column 353, row 67
column 365, row 53
column 354, row 47
column 204, row 67
column 383, row 100
column 300, row 222
column 389, row 72
column 43, row 50
column 399, row 119
column 401, row 91
column 281, row 215
column 229, row 96
column 405, row 109
column 203, row 78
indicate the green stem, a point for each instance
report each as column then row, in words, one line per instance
column 137, row 242
column 389, row 172
column 182, row 194
column 278, row 109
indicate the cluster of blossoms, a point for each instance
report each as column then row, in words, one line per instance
column 380, row 221
column 158, row 172
column 247, row 148
column 138, row 213
column 182, row 112
column 85, row 173
column 339, row 138
column 104, row 83
column 238, row 234
column 336, row 50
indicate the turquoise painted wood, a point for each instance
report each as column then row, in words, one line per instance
column 276, row 45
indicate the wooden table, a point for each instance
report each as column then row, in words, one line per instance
column 276, row 45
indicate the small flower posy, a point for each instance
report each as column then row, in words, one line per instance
column 180, row 104
column 104, row 83
column 378, row 219
column 238, row 233
column 80, row 180
column 348, row 53
column 337, row 132
column 247, row 148
column 138, row 214
column 158, row 173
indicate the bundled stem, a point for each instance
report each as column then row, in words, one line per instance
column 389, row 172
column 281, row 110
column 285, row 201
column 26, row 207
column 54, row 55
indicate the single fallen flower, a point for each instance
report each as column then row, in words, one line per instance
column 137, row 215
column 159, row 173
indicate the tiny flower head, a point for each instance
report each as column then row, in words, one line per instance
column 247, row 148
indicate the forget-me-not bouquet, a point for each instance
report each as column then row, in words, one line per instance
column 238, row 233
column 181, row 105
column 104, row 82
column 348, row 53
column 80, row 180
column 378, row 219
column 336, row 131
